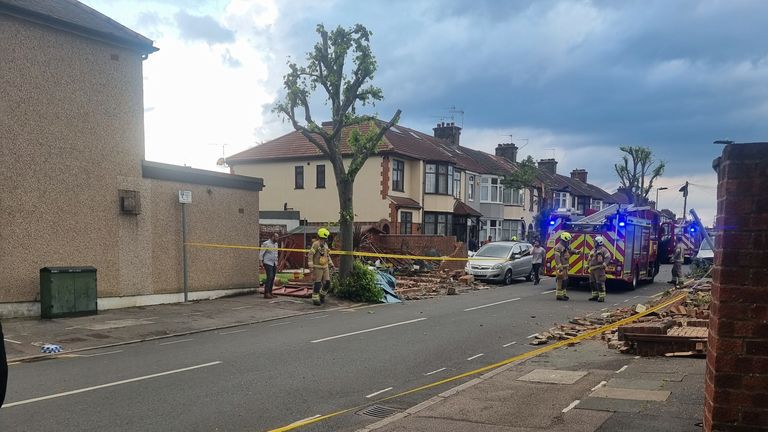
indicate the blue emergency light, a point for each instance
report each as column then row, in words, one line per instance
column 552, row 222
column 622, row 224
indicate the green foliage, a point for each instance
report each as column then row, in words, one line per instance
column 324, row 71
column 637, row 171
column 359, row 286
column 523, row 177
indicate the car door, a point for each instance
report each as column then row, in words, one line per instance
column 516, row 251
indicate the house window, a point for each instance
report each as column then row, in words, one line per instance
column 491, row 190
column 406, row 222
column 513, row 196
column 597, row 204
column 438, row 223
column 457, row 184
column 509, row 229
column 561, row 200
column 398, row 176
column 471, row 188
column 320, row 177
column 581, row 204
column 298, row 177
column 492, row 228
column 437, row 176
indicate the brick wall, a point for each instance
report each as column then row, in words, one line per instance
column 737, row 357
column 420, row 244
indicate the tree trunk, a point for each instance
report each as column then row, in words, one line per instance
column 346, row 225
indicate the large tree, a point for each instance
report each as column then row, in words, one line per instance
column 324, row 69
column 637, row 171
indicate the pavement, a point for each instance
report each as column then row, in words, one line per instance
column 24, row 337
column 584, row 388
column 249, row 364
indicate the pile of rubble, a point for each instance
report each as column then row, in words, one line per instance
column 679, row 329
column 430, row 284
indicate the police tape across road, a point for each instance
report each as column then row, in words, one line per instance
column 338, row 252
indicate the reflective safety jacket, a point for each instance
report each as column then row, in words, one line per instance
column 599, row 258
column 319, row 256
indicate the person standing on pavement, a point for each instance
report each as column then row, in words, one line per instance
column 678, row 258
column 320, row 259
column 3, row 366
column 562, row 252
column 537, row 258
column 269, row 261
column 598, row 260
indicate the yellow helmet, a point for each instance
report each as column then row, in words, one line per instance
column 323, row 233
column 514, row 238
column 565, row 236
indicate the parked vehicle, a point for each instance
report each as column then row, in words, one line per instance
column 692, row 236
column 501, row 262
column 631, row 235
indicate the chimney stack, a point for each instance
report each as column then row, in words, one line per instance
column 579, row 174
column 548, row 165
column 448, row 132
column 508, row 151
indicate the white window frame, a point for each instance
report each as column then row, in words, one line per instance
column 457, row 184
column 561, row 200
column 596, row 204
column 471, row 188
column 490, row 186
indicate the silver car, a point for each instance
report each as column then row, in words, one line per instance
column 501, row 262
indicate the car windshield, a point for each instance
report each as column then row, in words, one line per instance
column 494, row 251
column 705, row 245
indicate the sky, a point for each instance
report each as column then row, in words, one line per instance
column 572, row 80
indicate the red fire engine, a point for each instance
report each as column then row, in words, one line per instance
column 689, row 230
column 631, row 235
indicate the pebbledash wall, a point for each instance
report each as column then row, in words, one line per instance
column 71, row 137
column 737, row 356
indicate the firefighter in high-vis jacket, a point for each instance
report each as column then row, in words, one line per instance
column 677, row 262
column 598, row 260
column 562, row 252
column 320, row 259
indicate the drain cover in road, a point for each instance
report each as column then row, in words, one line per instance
column 551, row 376
column 378, row 411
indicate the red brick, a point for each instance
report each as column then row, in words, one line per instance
column 727, row 345
column 759, row 222
column 735, row 241
column 755, row 417
column 732, row 397
column 725, row 414
column 756, row 347
column 726, row 380
column 746, row 294
column 757, row 383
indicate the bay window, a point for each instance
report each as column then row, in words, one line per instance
column 439, row 179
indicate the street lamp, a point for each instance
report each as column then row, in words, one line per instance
column 657, row 195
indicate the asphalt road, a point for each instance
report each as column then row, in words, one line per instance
column 268, row 375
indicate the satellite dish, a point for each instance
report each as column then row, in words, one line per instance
column 221, row 162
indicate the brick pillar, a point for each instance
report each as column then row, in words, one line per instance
column 384, row 177
column 737, row 354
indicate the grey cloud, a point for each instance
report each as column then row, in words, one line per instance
column 205, row 28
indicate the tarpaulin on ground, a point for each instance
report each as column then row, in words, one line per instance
column 386, row 282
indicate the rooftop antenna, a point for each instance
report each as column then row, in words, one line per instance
column 453, row 110
column 512, row 139
column 222, row 159
column 553, row 152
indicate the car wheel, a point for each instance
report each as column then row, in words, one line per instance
column 508, row 277
column 635, row 279
column 529, row 276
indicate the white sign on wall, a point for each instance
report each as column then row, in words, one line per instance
column 185, row 197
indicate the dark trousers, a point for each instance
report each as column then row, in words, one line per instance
column 269, row 282
column 536, row 271
column 3, row 367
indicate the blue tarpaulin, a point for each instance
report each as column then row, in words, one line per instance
column 386, row 282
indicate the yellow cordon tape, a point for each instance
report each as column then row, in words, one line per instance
column 523, row 356
column 338, row 252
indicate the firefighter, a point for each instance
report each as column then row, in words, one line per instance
column 320, row 259
column 678, row 258
column 598, row 259
column 562, row 252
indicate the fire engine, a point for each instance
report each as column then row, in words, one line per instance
column 631, row 235
column 689, row 230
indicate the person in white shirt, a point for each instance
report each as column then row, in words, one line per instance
column 537, row 258
column 269, row 261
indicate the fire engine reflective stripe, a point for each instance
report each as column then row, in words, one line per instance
column 576, row 260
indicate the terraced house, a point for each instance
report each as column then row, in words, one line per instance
column 416, row 184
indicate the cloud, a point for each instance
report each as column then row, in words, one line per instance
column 205, row 28
column 228, row 59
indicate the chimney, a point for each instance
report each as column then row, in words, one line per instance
column 548, row 165
column 579, row 174
column 448, row 132
column 508, row 151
